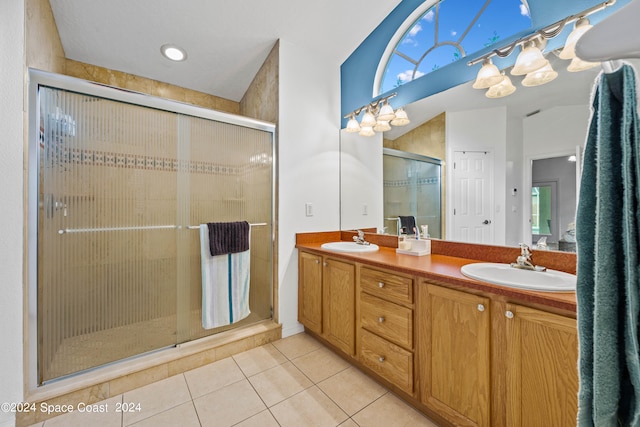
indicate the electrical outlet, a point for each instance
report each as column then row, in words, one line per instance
column 308, row 208
column 365, row 210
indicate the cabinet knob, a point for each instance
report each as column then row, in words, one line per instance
column 380, row 319
column 317, row 261
column 480, row 307
column 324, row 264
column 509, row 314
column 381, row 284
column 381, row 359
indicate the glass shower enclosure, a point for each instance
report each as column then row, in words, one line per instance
column 119, row 183
column 412, row 186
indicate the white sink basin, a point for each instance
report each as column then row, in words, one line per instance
column 349, row 247
column 504, row 274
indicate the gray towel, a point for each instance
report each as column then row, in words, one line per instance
column 607, row 232
column 228, row 237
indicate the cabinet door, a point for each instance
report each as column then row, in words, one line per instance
column 339, row 304
column 542, row 374
column 310, row 291
column 454, row 354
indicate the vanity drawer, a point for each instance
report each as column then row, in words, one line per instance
column 389, row 320
column 391, row 362
column 387, row 285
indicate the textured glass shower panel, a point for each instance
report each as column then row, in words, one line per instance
column 231, row 180
column 412, row 188
column 107, row 259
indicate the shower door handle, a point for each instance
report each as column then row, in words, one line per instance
column 486, row 222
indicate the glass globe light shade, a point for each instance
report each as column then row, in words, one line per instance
column 382, row 126
column 569, row 50
column 366, row 131
column 578, row 64
column 352, row 125
column 540, row 77
column 529, row 60
column 502, row 89
column 386, row 113
column 368, row 120
column 488, row 75
column 401, row 118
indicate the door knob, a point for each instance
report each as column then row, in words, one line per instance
column 486, row 222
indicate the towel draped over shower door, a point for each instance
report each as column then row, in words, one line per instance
column 608, row 233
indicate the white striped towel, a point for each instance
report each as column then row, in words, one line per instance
column 225, row 285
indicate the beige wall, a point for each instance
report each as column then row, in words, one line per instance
column 261, row 99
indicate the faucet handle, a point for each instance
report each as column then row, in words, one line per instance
column 525, row 250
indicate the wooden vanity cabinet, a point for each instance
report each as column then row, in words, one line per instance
column 454, row 354
column 326, row 299
column 541, row 368
column 385, row 326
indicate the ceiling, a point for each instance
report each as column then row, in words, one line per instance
column 226, row 41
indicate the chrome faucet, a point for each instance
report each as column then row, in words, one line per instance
column 525, row 260
column 359, row 239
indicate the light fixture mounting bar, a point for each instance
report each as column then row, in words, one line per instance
column 372, row 105
column 547, row 32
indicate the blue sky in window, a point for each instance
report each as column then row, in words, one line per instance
column 500, row 20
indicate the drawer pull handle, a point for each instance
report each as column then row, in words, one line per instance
column 509, row 314
column 480, row 307
column 381, row 359
column 381, row 284
column 381, row 319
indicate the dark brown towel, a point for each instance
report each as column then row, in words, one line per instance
column 407, row 224
column 228, row 237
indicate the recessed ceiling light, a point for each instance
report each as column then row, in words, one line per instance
column 173, row 52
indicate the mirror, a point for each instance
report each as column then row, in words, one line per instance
column 532, row 124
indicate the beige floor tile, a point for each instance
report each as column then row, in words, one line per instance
column 310, row 407
column 155, row 398
column 213, row 376
column 320, row 364
column 351, row 390
column 258, row 359
column 99, row 414
column 391, row 411
column 37, row 425
column 183, row 415
column 297, row 345
column 229, row 405
column 277, row 384
column 263, row 419
column 348, row 423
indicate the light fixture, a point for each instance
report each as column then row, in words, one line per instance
column 569, row 51
column 401, row 118
column 578, row 64
column 488, row 75
column 352, row 124
column 572, row 158
column 366, row 131
column 386, row 112
column 368, row 120
column 378, row 117
column 173, row 52
column 540, row 77
column 382, row 125
column 529, row 60
column 502, row 89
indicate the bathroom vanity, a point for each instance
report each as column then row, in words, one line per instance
column 464, row 352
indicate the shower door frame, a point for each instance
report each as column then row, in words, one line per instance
column 38, row 78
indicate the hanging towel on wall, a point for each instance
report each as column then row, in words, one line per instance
column 225, row 281
column 228, row 237
column 608, row 233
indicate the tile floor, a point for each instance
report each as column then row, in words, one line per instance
column 293, row 382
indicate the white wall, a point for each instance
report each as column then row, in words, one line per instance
column 11, row 214
column 309, row 162
column 514, row 181
column 361, row 181
column 480, row 130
